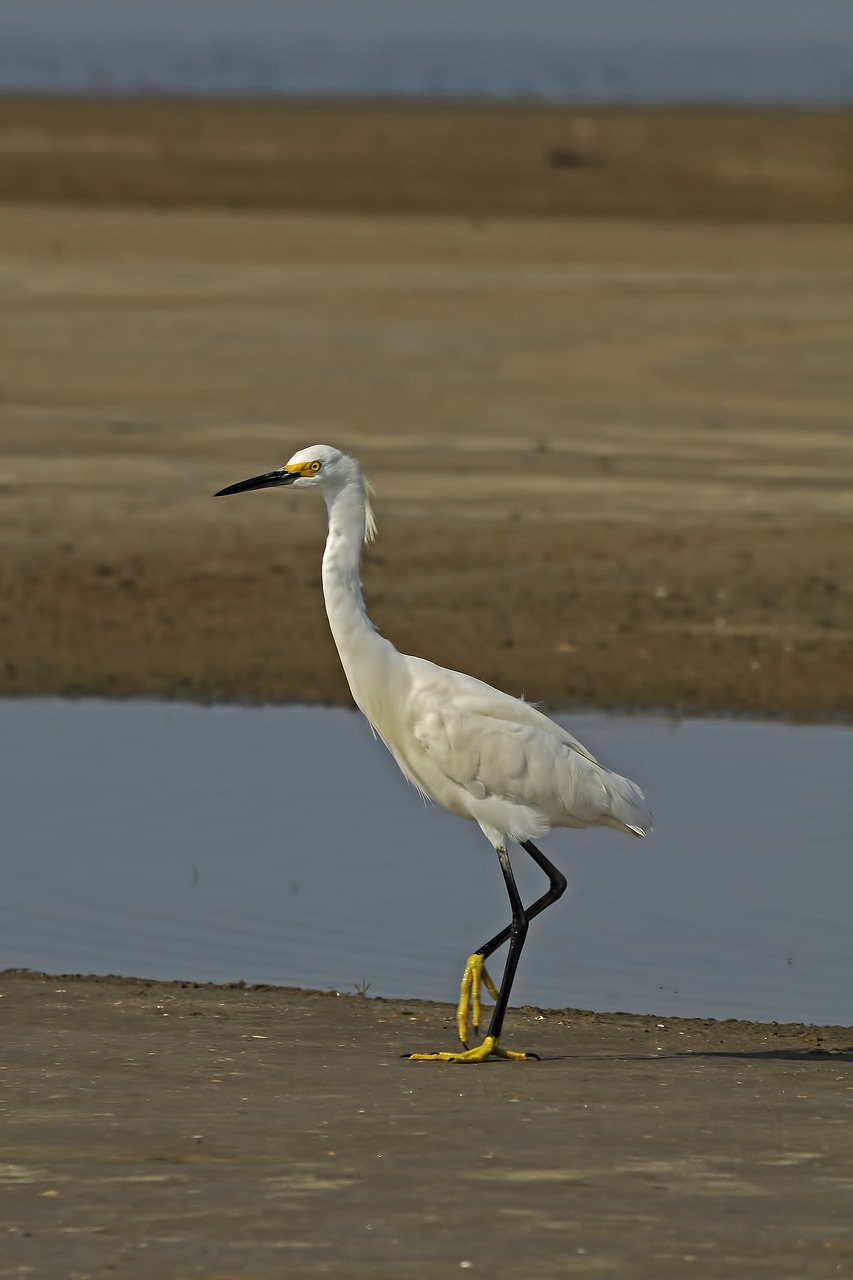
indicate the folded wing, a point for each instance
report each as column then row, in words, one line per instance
column 521, row 772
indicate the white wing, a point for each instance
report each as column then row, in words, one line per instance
column 505, row 764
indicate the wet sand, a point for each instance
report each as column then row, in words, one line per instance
column 598, row 370
column 164, row 1130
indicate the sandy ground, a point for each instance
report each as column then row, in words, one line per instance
column 159, row 1130
column 612, row 460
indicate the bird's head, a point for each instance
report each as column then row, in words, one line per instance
column 318, row 467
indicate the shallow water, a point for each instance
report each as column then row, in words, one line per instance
column 748, row 51
column 280, row 844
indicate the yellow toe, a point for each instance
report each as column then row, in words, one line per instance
column 488, row 1049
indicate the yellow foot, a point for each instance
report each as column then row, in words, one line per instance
column 488, row 1049
column 474, row 977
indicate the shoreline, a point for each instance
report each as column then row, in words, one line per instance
column 822, row 1033
column 840, row 719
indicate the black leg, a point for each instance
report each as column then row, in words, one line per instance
column 517, row 930
column 517, row 934
column 556, row 889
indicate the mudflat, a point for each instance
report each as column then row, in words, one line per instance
column 157, row 1129
column 597, row 366
column 612, row 455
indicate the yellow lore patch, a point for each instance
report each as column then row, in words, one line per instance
column 303, row 468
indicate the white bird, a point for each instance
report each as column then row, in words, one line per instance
column 480, row 753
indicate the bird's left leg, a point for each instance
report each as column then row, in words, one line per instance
column 517, row 932
column 475, row 973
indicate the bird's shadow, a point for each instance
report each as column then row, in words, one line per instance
column 755, row 1055
column 771, row 1055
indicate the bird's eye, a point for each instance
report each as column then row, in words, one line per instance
column 314, row 466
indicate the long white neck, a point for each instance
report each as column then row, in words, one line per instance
column 371, row 663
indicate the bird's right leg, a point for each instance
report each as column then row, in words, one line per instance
column 476, row 975
column 518, row 932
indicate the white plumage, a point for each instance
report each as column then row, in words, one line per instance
column 478, row 752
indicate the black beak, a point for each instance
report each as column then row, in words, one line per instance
column 260, row 482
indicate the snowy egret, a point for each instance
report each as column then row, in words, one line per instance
column 478, row 752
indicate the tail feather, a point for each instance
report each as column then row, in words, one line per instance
column 628, row 808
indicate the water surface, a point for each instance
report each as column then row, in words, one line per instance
column 747, row 51
column 280, row 844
